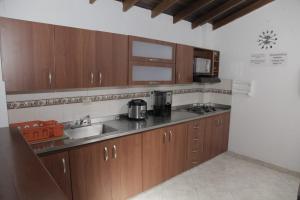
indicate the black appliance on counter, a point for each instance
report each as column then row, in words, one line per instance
column 137, row 109
column 162, row 103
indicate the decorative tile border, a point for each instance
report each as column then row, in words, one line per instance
column 81, row 99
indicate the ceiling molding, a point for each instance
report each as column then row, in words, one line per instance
column 127, row 4
column 214, row 13
column 190, row 9
column 161, row 7
column 240, row 13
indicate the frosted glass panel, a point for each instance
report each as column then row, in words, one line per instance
column 149, row 50
column 149, row 73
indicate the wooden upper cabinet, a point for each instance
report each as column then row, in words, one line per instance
column 27, row 55
column 58, row 166
column 111, row 59
column 184, row 64
column 68, row 54
column 148, row 50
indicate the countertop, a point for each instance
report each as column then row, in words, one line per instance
column 22, row 174
column 125, row 127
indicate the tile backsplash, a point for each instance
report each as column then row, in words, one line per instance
column 67, row 106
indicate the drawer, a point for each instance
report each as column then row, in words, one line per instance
column 194, row 155
column 197, row 129
column 195, row 144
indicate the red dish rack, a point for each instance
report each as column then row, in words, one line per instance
column 34, row 131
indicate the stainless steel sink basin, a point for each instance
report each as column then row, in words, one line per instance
column 89, row 131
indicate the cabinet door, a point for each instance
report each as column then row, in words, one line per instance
column 68, row 57
column 154, row 158
column 91, row 172
column 90, row 71
column 58, row 166
column 196, row 136
column 27, row 55
column 148, row 50
column 141, row 73
column 184, row 64
column 177, row 149
column 112, row 59
column 126, row 163
column 225, row 128
column 217, row 135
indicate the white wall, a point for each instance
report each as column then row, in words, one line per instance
column 265, row 126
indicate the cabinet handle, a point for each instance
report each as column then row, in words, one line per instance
column 50, row 78
column 153, row 82
column 196, row 139
column 64, row 165
column 100, row 78
column 92, row 77
column 165, row 138
column 221, row 122
column 196, row 127
column 179, row 77
column 170, row 135
column 105, row 154
column 115, row 151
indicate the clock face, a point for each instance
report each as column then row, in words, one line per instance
column 267, row 39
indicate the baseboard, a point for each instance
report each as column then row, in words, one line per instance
column 265, row 164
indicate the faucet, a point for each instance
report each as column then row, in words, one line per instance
column 82, row 122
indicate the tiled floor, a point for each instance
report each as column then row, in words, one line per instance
column 226, row 178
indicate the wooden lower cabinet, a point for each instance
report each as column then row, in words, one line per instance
column 217, row 135
column 58, row 166
column 196, row 135
column 164, row 154
column 207, row 138
column 123, row 167
column 107, row 170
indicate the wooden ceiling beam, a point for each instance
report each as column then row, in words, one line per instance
column 244, row 11
column 92, row 1
column 127, row 4
column 161, row 7
column 215, row 12
column 195, row 6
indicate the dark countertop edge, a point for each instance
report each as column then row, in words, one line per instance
column 23, row 176
column 122, row 134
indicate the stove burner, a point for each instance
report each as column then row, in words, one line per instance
column 202, row 108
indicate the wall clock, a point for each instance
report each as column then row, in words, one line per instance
column 267, row 39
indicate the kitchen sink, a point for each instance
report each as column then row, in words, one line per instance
column 89, row 131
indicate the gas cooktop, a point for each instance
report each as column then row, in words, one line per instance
column 202, row 108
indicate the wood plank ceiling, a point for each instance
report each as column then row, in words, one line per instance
column 198, row 12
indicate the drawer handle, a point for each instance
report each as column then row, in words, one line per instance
column 115, row 151
column 194, row 163
column 105, row 154
column 196, row 127
column 195, row 151
column 196, row 139
column 64, row 165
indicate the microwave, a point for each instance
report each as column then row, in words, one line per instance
column 202, row 66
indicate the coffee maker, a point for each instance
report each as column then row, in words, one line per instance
column 162, row 103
